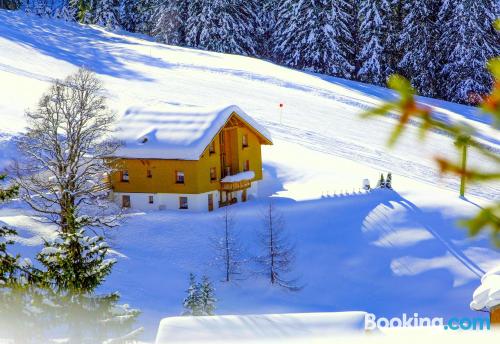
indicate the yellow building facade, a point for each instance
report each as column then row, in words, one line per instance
column 227, row 170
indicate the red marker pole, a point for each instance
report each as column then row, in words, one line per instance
column 281, row 113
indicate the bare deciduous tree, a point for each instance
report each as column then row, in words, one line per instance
column 228, row 248
column 278, row 253
column 63, row 168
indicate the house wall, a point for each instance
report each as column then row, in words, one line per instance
column 251, row 153
column 164, row 201
column 196, row 173
column 140, row 201
column 495, row 316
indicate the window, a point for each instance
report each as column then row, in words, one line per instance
column 183, row 203
column 213, row 174
column 151, row 200
column 124, row 176
column 179, row 177
column 211, row 148
column 246, row 165
column 149, row 174
column 245, row 141
column 126, row 201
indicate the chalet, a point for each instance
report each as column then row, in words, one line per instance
column 187, row 158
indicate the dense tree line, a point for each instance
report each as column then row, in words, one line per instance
column 441, row 46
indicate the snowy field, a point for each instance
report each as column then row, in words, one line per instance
column 384, row 252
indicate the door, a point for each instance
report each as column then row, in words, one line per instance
column 210, row 202
column 126, row 201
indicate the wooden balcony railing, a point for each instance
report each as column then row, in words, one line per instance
column 235, row 186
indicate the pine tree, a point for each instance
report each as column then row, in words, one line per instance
column 106, row 14
column 394, row 29
column 192, row 303
column 67, row 10
column 278, row 255
column 74, row 265
column 388, row 182
column 20, row 318
column 381, row 182
column 171, row 22
column 42, row 8
column 207, row 297
column 418, row 42
column 9, row 264
column 372, row 31
column 10, row 4
column 147, row 13
column 265, row 26
column 128, row 12
column 467, row 40
column 222, row 25
column 314, row 35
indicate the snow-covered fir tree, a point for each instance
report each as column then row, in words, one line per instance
column 468, row 40
column 372, row 30
column 192, row 303
column 19, row 316
column 9, row 264
column 74, row 265
column 171, row 21
column 207, row 297
column 417, row 43
column 393, row 30
column 67, row 10
column 381, row 181
column 222, row 25
column 388, row 182
column 265, row 26
column 10, row 4
column 42, row 8
column 138, row 15
column 128, row 14
column 106, row 14
column 314, row 35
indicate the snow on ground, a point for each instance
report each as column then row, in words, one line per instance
column 385, row 252
column 263, row 328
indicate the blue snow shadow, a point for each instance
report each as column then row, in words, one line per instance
column 338, row 261
column 80, row 45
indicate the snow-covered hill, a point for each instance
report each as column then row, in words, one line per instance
column 384, row 252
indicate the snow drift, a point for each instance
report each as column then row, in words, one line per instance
column 265, row 327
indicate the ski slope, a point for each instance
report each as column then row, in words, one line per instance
column 385, row 252
column 320, row 112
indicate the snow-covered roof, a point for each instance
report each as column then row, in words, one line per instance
column 275, row 328
column 173, row 132
column 238, row 177
column 487, row 295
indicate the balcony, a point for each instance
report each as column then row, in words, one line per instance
column 239, row 181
